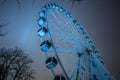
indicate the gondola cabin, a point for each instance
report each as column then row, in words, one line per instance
column 42, row 31
column 45, row 45
column 59, row 77
column 51, row 62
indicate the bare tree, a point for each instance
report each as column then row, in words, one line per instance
column 15, row 65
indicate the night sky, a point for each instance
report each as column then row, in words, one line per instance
column 100, row 18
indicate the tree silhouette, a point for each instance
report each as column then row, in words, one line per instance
column 15, row 65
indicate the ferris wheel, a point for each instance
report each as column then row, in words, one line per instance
column 69, row 51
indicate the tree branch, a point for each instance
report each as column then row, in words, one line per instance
column 18, row 71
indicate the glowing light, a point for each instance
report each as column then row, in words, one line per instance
column 45, row 46
column 42, row 31
column 42, row 13
column 60, row 9
column 41, row 21
column 87, row 38
column 57, row 7
column 90, row 42
column 68, row 14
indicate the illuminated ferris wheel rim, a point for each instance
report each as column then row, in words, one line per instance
column 78, row 26
column 46, row 44
column 43, row 19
